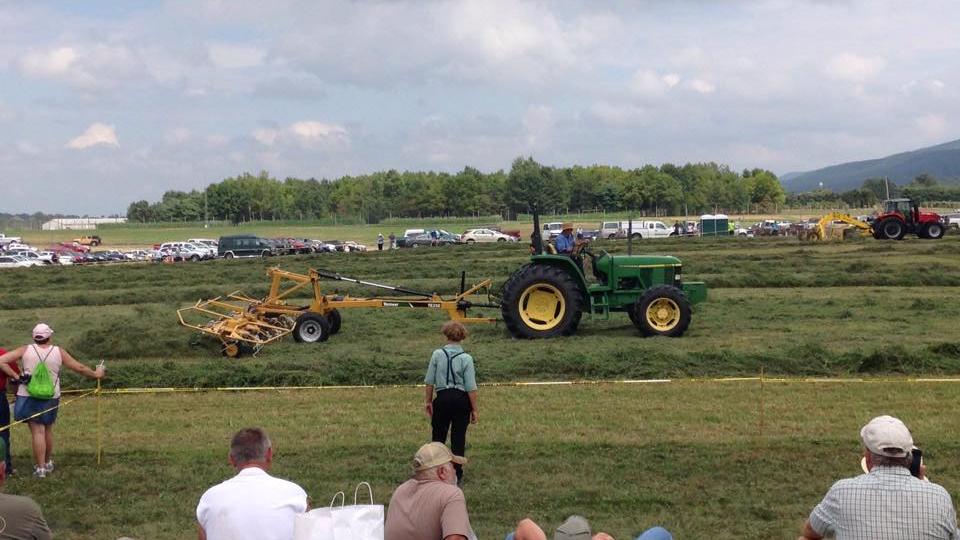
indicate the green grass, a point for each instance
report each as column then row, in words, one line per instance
column 689, row 455
column 863, row 307
column 696, row 457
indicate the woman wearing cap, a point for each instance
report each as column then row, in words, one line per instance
column 452, row 374
column 40, row 414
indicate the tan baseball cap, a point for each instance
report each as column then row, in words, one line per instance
column 887, row 436
column 433, row 455
column 567, row 226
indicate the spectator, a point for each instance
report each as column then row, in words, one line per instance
column 252, row 505
column 5, row 417
column 677, row 228
column 429, row 506
column 577, row 528
column 452, row 374
column 565, row 242
column 393, row 241
column 20, row 516
column 888, row 502
column 379, row 241
column 40, row 413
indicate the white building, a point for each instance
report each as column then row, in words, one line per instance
column 78, row 223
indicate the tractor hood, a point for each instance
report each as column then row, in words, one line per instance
column 635, row 261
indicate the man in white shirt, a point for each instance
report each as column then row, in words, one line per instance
column 252, row 505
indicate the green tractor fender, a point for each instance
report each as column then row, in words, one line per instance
column 565, row 264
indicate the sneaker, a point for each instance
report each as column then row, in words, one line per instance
column 49, row 466
column 39, row 472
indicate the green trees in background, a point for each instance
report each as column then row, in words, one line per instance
column 667, row 190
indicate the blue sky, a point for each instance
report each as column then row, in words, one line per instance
column 103, row 103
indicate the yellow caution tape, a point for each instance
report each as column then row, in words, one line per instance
column 61, row 404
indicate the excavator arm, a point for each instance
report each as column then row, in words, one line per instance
column 865, row 228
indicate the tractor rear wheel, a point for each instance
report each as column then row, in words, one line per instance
column 933, row 231
column 311, row 328
column 541, row 301
column 662, row 311
column 891, row 229
column 333, row 317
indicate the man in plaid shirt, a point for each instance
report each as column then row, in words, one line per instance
column 888, row 503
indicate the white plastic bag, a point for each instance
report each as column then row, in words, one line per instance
column 358, row 521
column 317, row 524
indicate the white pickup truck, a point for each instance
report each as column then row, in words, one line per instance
column 8, row 240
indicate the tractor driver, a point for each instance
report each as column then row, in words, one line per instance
column 566, row 243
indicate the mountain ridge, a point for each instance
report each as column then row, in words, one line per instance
column 941, row 161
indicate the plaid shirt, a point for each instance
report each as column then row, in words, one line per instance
column 886, row 504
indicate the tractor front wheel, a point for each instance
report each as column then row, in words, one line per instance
column 311, row 328
column 933, row 231
column 662, row 311
column 891, row 229
column 541, row 301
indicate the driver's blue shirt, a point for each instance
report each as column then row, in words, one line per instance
column 565, row 243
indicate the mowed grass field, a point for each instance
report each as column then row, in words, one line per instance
column 690, row 455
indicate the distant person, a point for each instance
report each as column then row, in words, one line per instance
column 452, row 374
column 393, row 241
column 379, row 241
column 40, row 411
column 678, row 228
column 429, row 506
column 434, row 237
column 5, row 416
column 887, row 503
column 252, row 505
column 20, row 517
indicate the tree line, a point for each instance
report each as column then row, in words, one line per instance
column 670, row 189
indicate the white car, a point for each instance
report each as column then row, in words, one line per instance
column 350, row 245
column 485, row 235
column 188, row 251
column 12, row 261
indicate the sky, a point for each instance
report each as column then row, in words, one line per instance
column 103, row 103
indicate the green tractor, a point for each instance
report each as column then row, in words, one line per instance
column 547, row 297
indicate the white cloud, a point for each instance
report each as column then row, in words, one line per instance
column 96, row 134
column 266, row 136
column 49, row 63
column 619, row 114
column 854, row 68
column 310, row 131
column 932, row 126
column 648, row 83
column 702, row 86
column 538, row 122
column 178, row 135
column 235, row 56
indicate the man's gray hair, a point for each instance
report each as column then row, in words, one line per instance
column 887, row 461
column 249, row 444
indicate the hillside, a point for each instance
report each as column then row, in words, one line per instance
column 942, row 161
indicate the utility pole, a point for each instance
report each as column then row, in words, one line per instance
column 206, row 222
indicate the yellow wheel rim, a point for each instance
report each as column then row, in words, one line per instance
column 232, row 350
column 542, row 306
column 663, row 314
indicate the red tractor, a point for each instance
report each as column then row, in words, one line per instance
column 902, row 216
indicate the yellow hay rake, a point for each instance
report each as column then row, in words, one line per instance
column 244, row 325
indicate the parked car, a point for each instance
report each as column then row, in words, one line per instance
column 485, row 235
column 12, row 261
column 410, row 233
column 92, row 240
column 244, row 245
column 552, row 230
column 350, row 245
column 442, row 238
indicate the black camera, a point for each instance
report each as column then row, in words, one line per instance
column 25, row 378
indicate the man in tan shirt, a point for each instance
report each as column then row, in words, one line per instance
column 429, row 506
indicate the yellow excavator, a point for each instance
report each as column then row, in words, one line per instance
column 821, row 231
